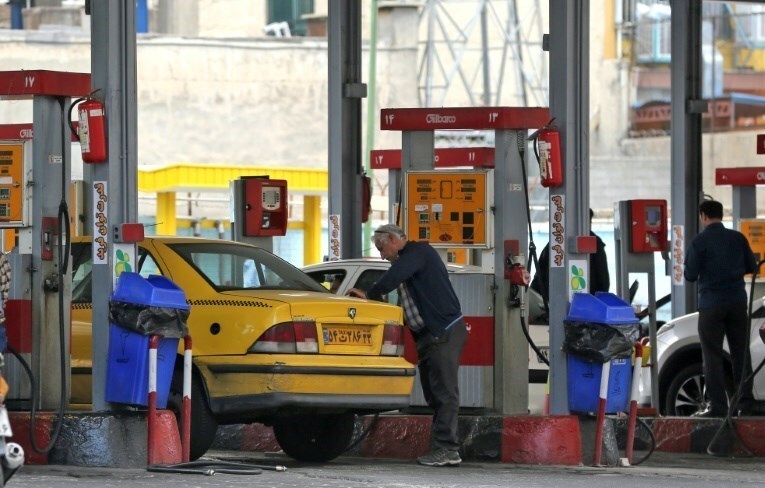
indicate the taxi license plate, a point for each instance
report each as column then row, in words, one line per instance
column 347, row 336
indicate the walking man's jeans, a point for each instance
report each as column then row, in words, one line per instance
column 729, row 321
column 438, row 362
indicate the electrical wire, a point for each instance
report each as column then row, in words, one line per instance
column 728, row 420
column 521, row 143
column 210, row 468
column 75, row 132
column 651, row 435
column 364, row 433
column 33, row 409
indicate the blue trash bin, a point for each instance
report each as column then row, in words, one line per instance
column 127, row 375
column 583, row 375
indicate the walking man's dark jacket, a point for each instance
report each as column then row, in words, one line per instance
column 729, row 252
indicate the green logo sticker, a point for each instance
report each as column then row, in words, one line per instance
column 123, row 262
column 578, row 282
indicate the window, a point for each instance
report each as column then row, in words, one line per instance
column 290, row 11
column 82, row 267
column 751, row 19
column 146, row 264
column 235, row 267
column 331, row 279
column 369, row 278
column 82, row 270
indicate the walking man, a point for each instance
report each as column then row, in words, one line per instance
column 719, row 258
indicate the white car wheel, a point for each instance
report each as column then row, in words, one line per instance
column 686, row 394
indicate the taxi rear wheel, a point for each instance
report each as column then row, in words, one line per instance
column 203, row 424
column 314, row 438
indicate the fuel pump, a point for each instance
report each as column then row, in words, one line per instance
column 640, row 231
column 33, row 198
column 259, row 210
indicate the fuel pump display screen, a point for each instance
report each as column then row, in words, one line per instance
column 271, row 198
column 447, row 208
column 754, row 230
column 653, row 215
column 11, row 184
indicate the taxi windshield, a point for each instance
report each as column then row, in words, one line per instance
column 238, row 267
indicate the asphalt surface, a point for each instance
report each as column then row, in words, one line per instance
column 661, row 470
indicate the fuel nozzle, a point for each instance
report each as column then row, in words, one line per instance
column 516, row 272
column 519, row 278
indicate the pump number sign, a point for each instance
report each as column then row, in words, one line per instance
column 448, row 208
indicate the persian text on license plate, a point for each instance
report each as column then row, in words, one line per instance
column 347, row 336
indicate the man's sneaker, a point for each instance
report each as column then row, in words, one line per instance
column 441, row 457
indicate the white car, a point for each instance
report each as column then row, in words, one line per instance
column 340, row 276
column 681, row 380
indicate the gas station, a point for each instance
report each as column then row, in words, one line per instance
column 468, row 201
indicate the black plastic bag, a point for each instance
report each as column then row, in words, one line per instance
column 600, row 343
column 149, row 320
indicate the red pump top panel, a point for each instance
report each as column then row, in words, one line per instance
column 24, row 84
column 464, row 118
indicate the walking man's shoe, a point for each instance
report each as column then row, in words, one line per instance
column 441, row 457
column 708, row 414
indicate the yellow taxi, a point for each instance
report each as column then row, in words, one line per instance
column 270, row 345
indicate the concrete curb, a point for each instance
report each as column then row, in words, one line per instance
column 687, row 435
column 522, row 439
column 118, row 439
column 563, row 440
column 109, row 439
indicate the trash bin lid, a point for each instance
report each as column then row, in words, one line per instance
column 154, row 291
column 603, row 308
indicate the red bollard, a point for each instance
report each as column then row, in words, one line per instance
column 186, row 407
column 150, row 427
column 634, row 399
column 186, row 413
column 601, row 412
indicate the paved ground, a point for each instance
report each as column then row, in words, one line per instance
column 661, row 470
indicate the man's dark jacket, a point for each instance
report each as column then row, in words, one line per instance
column 420, row 267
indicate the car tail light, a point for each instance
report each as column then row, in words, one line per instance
column 306, row 340
column 288, row 338
column 393, row 340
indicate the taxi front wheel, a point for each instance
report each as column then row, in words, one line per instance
column 314, row 438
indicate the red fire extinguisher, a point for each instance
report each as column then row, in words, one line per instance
column 550, row 164
column 92, row 131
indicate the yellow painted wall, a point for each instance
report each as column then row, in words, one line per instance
column 609, row 30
